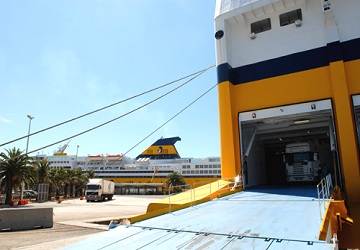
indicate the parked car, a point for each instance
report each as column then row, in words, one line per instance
column 30, row 194
column 2, row 199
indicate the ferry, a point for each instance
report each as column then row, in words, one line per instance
column 152, row 166
column 289, row 97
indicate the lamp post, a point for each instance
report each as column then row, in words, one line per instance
column 77, row 151
column 26, row 151
column 28, row 137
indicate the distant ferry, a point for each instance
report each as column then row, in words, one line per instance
column 151, row 166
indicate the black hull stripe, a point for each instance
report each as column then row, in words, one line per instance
column 159, row 177
column 134, row 172
column 159, row 156
column 310, row 59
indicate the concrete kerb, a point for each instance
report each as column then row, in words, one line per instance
column 25, row 218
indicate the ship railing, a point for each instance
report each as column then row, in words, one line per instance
column 171, row 193
column 324, row 193
column 193, row 193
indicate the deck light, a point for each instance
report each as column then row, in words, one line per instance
column 219, row 34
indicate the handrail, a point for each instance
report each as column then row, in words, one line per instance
column 324, row 191
column 231, row 186
column 171, row 187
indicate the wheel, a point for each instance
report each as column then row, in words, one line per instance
column 87, row 201
column 110, row 198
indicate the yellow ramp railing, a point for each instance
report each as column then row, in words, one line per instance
column 187, row 198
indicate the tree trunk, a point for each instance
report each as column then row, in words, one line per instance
column 8, row 191
column 50, row 191
column 73, row 191
column 21, row 190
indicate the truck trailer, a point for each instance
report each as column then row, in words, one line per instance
column 99, row 190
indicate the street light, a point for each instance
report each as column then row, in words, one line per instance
column 77, row 150
column 27, row 147
column 28, row 137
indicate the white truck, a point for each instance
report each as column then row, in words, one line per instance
column 99, row 190
column 302, row 162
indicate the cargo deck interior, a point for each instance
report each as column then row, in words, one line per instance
column 266, row 160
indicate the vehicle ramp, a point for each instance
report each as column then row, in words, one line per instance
column 277, row 218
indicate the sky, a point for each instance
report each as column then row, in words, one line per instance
column 59, row 59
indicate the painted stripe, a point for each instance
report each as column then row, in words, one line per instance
column 132, row 172
column 158, row 177
column 301, row 61
column 351, row 50
column 159, row 156
column 166, row 141
column 223, row 72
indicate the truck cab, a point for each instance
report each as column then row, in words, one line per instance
column 302, row 163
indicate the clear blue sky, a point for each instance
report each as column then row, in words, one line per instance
column 59, row 59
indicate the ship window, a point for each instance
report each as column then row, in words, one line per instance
column 290, row 17
column 261, row 26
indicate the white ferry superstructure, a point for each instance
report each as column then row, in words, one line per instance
column 151, row 166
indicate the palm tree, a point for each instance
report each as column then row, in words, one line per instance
column 79, row 179
column 52, row 181
column 31, row 177
column 57, row 179
column 61, row 177
column 175, row 180
column 14, row 168
column 43, row 168
column 65, row 180
column 90, row 174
